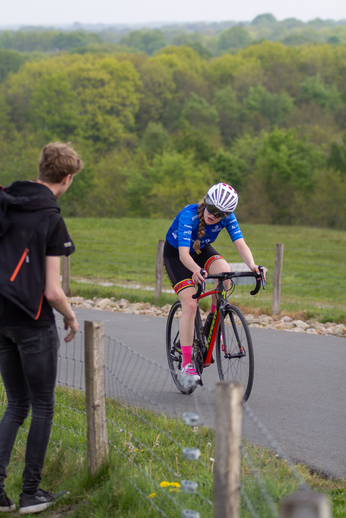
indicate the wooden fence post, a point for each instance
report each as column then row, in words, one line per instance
column 97, row 440
column 305, row 504
column 66, row 274
column 228, row 419
column 279, row 256
column 159, row 269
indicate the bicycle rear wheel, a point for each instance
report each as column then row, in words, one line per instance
column 234, row 350
column 173, row 350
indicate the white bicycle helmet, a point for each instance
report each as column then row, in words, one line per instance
column 223, row 197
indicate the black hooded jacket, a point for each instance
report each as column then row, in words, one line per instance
column 29, row 213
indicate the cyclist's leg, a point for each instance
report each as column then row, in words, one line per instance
column 187, row 322
column 214, row 263
column 181, row 280
column 218, row 266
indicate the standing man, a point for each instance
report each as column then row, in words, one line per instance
column 33, row 237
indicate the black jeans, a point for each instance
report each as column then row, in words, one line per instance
column 28, row 366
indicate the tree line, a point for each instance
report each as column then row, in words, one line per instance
column 156, row 131
column 207, row 39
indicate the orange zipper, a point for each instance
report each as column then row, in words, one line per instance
column 39, row 309
column 21, row 261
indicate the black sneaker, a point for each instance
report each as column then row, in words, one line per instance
column 207, row 324
column 38, row 502
column 6, row 504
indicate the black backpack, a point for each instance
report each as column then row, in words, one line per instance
column 23, row 236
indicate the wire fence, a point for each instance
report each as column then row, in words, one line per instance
column 311, row 279
column 165, row 439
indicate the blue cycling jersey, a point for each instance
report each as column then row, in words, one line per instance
column 184, row 229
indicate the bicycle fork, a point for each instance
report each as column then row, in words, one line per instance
column 242, row 351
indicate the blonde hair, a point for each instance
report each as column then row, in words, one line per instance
column 201, row 227
column 57, row 161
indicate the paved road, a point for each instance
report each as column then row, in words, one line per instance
column 299, row 392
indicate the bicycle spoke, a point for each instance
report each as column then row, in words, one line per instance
column 234, row 352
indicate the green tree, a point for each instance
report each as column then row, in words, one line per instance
column 163, row 188
column 72, row 40
column 53, row 107
column 157, row 93
column 190, row 141
column 272, row 106
column 228, row 168
column 264, row 19
column 10, row 61
column 147, row 41
column 18, row 159
column 199, row 113
column 230, row 113
column 337, row 155
column 326, row 206
column 234, row 38
column 325, row 96
column 102, row 95
column 155, row 140
column 106, row 195
column 285, row 166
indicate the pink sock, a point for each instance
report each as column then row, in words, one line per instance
column 186, row 354
column 212, row 309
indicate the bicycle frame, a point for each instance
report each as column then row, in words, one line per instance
column 220, row 291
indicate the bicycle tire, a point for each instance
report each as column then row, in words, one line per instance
column 175, row 357
column 234, row 349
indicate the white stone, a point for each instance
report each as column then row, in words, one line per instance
column 103, row 303
column 301, row 324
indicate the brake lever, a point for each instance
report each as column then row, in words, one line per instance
column 201, row 287
column 263, row 282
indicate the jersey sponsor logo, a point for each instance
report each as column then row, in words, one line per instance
column 194, row 217
column 68, row 244
column 189, row 232
column 188, row 226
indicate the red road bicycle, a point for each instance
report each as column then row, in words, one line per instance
column 229, row 334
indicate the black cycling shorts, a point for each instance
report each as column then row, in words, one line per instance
column 178, row 274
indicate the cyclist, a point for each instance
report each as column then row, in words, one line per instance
column 188, row 249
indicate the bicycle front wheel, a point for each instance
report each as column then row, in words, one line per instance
column 173, row 349
column 234, row 351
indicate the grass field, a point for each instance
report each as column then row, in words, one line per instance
column 116, row 257
column 145, row 467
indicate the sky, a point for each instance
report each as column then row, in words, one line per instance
column 43, row 12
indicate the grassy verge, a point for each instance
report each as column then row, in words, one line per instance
column 123, row 252
column 145, row 466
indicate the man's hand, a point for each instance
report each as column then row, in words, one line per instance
column 73, row 325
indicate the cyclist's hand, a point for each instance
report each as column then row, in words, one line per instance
column 199, row 276
column 258, row 271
